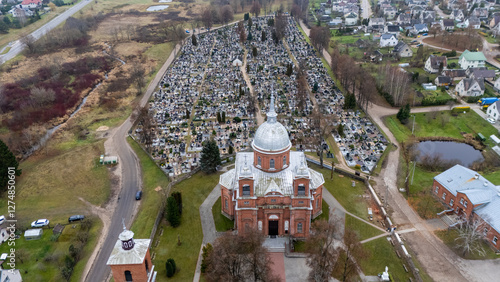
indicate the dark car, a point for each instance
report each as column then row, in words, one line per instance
column 76, row 218
column 138, row 195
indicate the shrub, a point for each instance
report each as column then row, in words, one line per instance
column 460, row 109
column 207, row 250
column 404, row 114
column 173, row 215
column 171, row 268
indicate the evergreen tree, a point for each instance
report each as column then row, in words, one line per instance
column 315, row 87
column 340, row 130
column 210, row 157
column 289, row 69
column 207, row 250
column 218, row 117
column 231, row 149
column 173, row 215
column 249, row 24
column 7, row 159
column 263, row 36
column 254, row 51
column 194, row 41
column 249, row 37
column 349, row 101
column 4, row 28
column 7, row 21
column 178, row 199
column 223, row 117
column 172, row 263
column 404, row 114
column 170, row 269
column 246, row 16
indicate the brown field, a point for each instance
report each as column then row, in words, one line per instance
column 455, row 41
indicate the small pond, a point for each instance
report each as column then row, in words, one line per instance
column 164, row 1
column 460, row 153
column 157, row 8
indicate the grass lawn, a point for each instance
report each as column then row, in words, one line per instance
column 448, row 237
column 222, row 223
column 341, row 188
column 428, row 127
column 194, row 191
column 382, row 254
column 380, row 163
column 39, row 260
column 363, row 230
column 299, row 246
column 325, row 212
column 152, row 177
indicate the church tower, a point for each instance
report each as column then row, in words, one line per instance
column 130, row 259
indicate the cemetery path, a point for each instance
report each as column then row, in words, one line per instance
column 258, row 113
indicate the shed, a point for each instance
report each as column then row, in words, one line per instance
column 237, row 63
column 33, row 234
column 481, row 137
column 495, row 139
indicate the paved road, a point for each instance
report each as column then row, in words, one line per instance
column 367, row 9
column 17, row 46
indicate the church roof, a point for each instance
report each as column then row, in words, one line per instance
column 134, row 256
column 271, row 135
column 265, row 182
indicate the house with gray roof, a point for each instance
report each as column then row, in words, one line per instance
column 470, row 87
column 471, row 197
column 434, row 63
column 388, row 40
column 403, row 50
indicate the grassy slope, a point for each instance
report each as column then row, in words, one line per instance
column 382, row 254
column 152, row 177
column 363, row 230
column 194, row 191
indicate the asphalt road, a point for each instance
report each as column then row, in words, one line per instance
column 17, row 46
column 367, row 9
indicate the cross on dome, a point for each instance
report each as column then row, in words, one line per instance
column 271, row 115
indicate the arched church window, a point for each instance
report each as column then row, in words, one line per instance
column 284, row 161
column 299, row 227
column 302, row 190
column 246, row 190
column 271, row 164
column 128, row 276
column 259, row 161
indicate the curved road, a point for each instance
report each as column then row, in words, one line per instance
column 17, row 46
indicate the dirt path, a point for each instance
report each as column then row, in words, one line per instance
column 258, row 113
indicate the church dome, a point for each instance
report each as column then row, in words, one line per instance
column 271, row 135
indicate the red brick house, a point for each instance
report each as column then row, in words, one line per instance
column 471, row 196
column 271, row 189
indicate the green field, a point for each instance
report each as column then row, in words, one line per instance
column 363, row 230
column 443, row 124
column 373, row 264
column 194, row 191
column 222, row 223
column 449, row 236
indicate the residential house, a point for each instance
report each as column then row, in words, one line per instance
column 337, row 22
column 392, row 29
column 496, row 85
column 455, row 4
column 376, row 23
column 31, row 4
column 443, row 81
column 17, row 12
column 390, row 12
column 457, row 15
column 473, row 22
column 419, row 28
column 403, row 50
column 447, row 24
column 435, row 63
column 495, row 19
column 428, row 16
column 493, row 110
column 481, row 72
column 388, row 40
column 471, row 197
column 470, row 87
column 351, row 19
column 404, row 19
column 470, row 59
column 454, row 74
column 481, row 13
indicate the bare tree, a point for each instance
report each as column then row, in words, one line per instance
column 29, row 42
column 206, row 17
column 322, row 254
column 227, row 14
column 137, row 76
column 410, row 153
column 280, row 23
column 255, row 10
column 41, row 97
column 146, row 120
column 470, row 237
column 346, row 267
column 321, row 127
column 320, row 37
column 239, row 258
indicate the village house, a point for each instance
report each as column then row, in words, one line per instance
column 443, row 81
column 419, row 28
column 376, row 23
column 392, row 29
column 495, row 20
column 351, row 19
column 494, row 110
column 403, row 50
column 17, row 12
column 481, row 13
column 390, row 12
column 31, row 4
column 404, row 19
column 428, row 16
column 435, row 63
column 447, row 24
column 481, row 72
column 496, row 85
column 471, row 197
column 470, row 87
column 271, row 189
column 388, row 40
column 472, row 22
column 457, row 15
column 470, row 59
column 455, row 74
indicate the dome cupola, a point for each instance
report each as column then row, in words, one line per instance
column 271, row 136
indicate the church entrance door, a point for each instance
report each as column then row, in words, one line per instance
column 273, row 227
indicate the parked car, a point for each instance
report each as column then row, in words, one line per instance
column 187, row 31
column 40, row 223
column 491, row 120
column 138, row 195
column 425, row 34
column 2, row 218
column 76, row 218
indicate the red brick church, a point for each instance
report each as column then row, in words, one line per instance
column 271, row 189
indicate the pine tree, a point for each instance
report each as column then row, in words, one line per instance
column 178, row 198
column 289, row 69
column 263, row 36
column 223, row 117
column 249, row 24
column 170, row 269
column 194, row 41
column 173, row 267
column 340, row 130
column 249, row 37
column 246, row 16
column 205, row 262
column 404, row 114
column 7, row 159
column 173, row 215
column 210, row 157
column 218, row 117
column 254, row 51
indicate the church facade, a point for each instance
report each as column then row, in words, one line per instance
column 271, row 189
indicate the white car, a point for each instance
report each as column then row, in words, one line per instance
column 491, row 120
column 40, row 223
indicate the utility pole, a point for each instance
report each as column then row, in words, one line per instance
column 413, row 172
column 413, row 127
